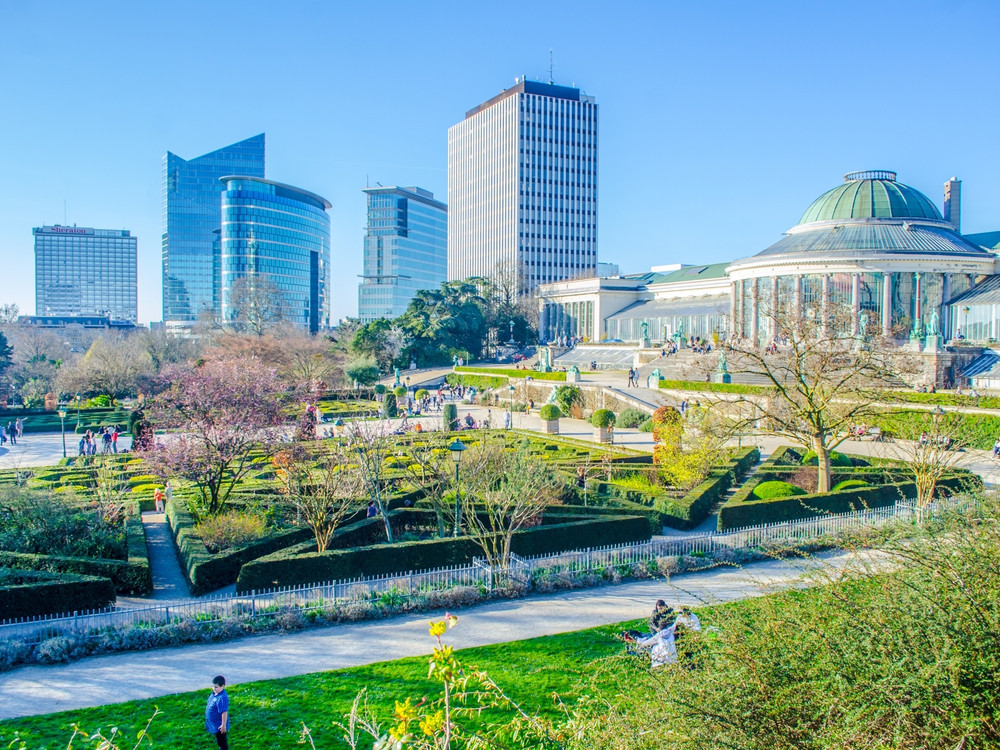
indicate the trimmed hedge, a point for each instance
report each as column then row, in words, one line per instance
column 449, row 417
column 739, row 515
column 693, row 385
column 690, row 510
column 774, row 489
column 811, row 458
column 476, row 381
column 131, row 577
column 515, row 373
column 54, row 593
column 549, row 412
column 207, row 572
column 603, row 418
column 286, row 570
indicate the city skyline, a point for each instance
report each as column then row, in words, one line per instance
column 715, row 121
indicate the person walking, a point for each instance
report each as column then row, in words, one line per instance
column 19, row 426
column 12, row 433
column 217, row 713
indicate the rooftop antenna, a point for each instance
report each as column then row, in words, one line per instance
column 550, row 67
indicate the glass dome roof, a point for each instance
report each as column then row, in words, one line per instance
column 873, row 194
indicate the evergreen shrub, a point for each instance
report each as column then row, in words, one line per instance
column 549, row 412
column 775, row 489
column 449, row 417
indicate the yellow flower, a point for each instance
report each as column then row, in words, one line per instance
column 438, row 628
column 405, row 711
column 431, row 724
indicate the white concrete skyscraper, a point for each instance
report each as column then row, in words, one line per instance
column 522, row 186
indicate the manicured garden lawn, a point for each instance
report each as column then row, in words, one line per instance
column 270, row 714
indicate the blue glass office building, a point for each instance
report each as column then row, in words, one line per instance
column 406, row 249
column 282, row 233
column 192, row 280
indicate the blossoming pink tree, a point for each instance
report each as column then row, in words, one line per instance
column 223, row 412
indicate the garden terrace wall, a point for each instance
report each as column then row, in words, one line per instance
column 129, row 577
column 54, row 593
column 287, row 570
column 779, row 510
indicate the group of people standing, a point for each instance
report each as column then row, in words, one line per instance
column 12, row 432
column 107, row 437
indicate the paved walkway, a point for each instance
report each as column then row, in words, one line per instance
column 45, row 449
column 168, row 578
column 147, row 674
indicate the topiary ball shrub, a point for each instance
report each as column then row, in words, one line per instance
column 836, row 459
column 631, row 418
column 421, row 394
column 549, row 412
column 449, row 417
column 399, row 391
column 849, row 484
column 380, row 390
column 389, row 408
column 603, row 418
column 775, row 489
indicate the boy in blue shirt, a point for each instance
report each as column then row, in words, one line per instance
column 217, row 713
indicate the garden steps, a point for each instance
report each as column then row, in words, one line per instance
column 168, row 578
column 727, row 495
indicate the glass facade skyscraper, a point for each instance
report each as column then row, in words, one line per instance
column 278, row 236
column 85, row 271
column 406, row 249
column 522, row 186
column 191, row 217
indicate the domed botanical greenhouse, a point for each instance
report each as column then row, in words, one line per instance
column 874, row 250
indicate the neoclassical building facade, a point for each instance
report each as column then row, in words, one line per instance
column 876, row 251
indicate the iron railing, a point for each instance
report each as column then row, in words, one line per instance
column 394, row 589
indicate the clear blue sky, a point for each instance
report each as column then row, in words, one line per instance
column 720, row 121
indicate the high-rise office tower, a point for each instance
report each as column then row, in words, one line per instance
column 191, row 215
column 84, row 271
column 275, row 252
column 406, row 249
column 522, row 186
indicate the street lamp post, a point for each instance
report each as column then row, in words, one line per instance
column 62, row 420
column 510, row 388
column 456, row 449
column 78, row 422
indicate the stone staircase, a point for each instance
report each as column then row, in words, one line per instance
column 687, row 365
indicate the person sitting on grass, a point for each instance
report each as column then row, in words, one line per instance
column 663, row 617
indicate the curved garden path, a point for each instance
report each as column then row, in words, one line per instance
column 135, row 675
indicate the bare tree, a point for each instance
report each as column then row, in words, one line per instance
column 930, row 449
column 323, row 486
column 431, row 470
column 111, row 493
column 508, row 490
column 370, row 442
column 821, row 380
column 257, row 304
column 166, row 349
column 112, row 366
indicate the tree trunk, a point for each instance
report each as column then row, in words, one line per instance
column 822, row 465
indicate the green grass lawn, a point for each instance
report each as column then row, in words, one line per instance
column 270, row 714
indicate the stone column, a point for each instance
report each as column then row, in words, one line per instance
column 543, row 322
column 754, row 309
column 772, row 323
column 855, row 303
column 798, row 298
column 886, row 304
column 826, row 305
column 732, row 307
column 944, row 312
column 917, row 304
